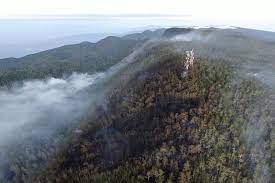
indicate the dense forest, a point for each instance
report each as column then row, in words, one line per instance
column 84, row 57
column 168, row 128
column 156, row 121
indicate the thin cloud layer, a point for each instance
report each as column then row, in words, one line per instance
column 51, row 101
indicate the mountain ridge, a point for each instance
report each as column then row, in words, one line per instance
column 153, row 120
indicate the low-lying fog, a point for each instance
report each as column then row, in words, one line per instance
column 46, row 102
column 37, row 108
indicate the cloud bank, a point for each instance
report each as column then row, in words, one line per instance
column 45, row 102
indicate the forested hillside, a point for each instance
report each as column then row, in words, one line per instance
column 151, row 119
column 166, row 127
column 83, row 57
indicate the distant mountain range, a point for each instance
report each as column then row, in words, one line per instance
column 92, row 57
column 83, row 57
column 153, row 119
column 110, row 48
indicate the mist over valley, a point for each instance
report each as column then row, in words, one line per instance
column 178, row 104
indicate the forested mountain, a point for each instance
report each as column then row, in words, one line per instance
column 94, row 57
column 153, row 119
column 110, row 47
column 163, row 126
column 83, row 57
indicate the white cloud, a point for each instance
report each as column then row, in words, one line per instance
column 57, row 101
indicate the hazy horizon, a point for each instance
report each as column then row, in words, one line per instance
column 31, row 26
column 42, row 32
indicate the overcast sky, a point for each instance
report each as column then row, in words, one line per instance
column 231, row 10
column 17, row 26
